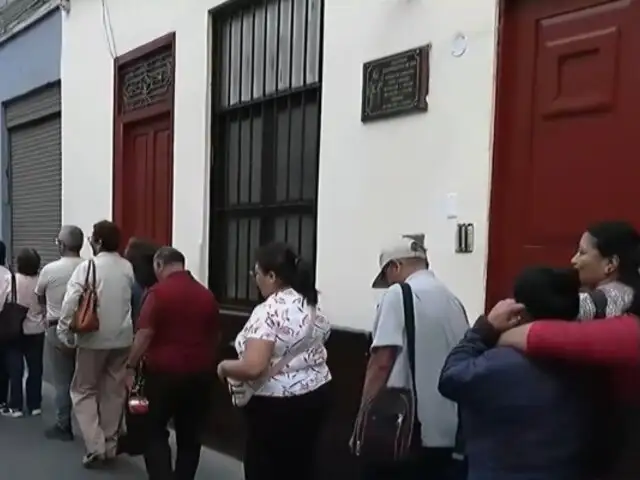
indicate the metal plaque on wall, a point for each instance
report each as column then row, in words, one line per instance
column 396, row 84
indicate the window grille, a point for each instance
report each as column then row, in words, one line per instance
column 266, row 129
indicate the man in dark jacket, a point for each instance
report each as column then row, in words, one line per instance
column 522, row 419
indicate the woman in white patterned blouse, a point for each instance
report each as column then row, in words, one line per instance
column 287, row 410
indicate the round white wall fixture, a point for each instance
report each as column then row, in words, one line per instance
column 459, row 45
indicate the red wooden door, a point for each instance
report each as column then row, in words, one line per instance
column 566, row 133
column 148, row 180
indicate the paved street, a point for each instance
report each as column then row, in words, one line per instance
column 26, row 455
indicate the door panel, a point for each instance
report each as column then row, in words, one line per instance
column 148, row 180
column 567, row 137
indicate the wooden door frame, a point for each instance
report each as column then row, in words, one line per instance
column 496, row 213
column 120, row 120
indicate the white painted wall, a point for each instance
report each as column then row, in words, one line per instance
column 382, row 179
column 377, row 180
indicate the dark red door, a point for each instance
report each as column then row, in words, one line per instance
column 148, row 180
column 566, row 134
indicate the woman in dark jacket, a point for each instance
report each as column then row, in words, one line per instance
column 501, row 393
column 140, row 253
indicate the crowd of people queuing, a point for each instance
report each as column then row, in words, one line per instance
column 543, row 387
column 153, row 354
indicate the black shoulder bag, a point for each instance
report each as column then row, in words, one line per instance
column 388, row 428
column 12, row 315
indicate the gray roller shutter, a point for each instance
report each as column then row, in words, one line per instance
column 33, row 107
column 36, row 186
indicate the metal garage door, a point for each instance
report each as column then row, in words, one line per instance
column 35, row 182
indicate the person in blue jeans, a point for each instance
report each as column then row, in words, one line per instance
column 50, row 289
column 29, row 347
column 5, row 277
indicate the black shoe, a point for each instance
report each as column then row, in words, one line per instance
column 59, row 433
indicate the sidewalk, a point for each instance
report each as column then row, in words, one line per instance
column 27, row 455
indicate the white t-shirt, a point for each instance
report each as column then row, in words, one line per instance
column 52, row 283
column 5, row 285
column 283, row 318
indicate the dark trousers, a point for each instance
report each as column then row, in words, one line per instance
column 4, row 375
column 185, row 399
column 282, row 435
column 29, row 349
column 428, row 463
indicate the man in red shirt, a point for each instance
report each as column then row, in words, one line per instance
column 178, row 332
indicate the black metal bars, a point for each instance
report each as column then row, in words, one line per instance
column 267, row 74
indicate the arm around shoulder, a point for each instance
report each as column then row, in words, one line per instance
column 610, row 341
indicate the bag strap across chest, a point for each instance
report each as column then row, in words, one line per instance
column 90, row 276
column 599, row 299
column 14, row 288
column 410, row 332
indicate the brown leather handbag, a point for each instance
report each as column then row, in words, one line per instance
column 86, row 319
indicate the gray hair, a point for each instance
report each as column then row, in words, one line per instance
column 169, row 256
column 71, row 237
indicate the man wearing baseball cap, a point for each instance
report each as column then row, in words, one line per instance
column 441, row 322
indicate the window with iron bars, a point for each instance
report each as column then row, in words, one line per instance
column 266, row 132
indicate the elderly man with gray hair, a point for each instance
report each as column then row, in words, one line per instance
column 50, row 289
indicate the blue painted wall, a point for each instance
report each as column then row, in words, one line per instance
column 28, row 61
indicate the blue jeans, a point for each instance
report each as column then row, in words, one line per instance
column 62, row 361
column 29, row 349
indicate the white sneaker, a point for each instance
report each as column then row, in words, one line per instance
column 36, row 412
column 11, row 413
